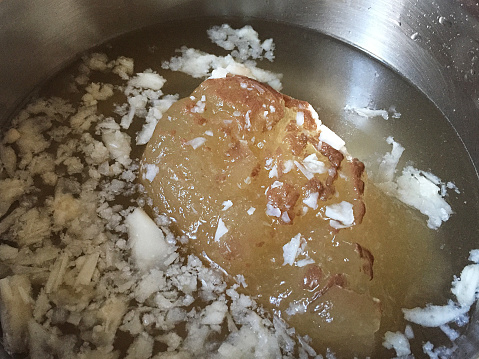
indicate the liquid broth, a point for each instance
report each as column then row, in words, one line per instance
column 413, row 264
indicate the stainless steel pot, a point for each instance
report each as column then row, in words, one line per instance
column 434, row 45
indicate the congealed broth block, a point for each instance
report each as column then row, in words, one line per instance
column 267, row 192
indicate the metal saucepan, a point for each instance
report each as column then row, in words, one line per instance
column 433, row 46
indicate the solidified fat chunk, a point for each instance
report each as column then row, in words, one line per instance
column 110, row 315
column 32, row 227
column 86, row 272
column 466, row 287
column 434, row 315
column 397, row 341
column 55, row 279
column 214, row 314
column 118, row 144
column 148, row 245
column 44, row 343
column 10, row 191
column 15, row 311
column 141, row 348
column 149, row 284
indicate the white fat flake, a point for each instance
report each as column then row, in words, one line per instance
column 300, row 118
column 466, row 287
column 221, row 230
column 408, row 332
column 451, row 333
column 199, row 64
column 304, row 262
column 147, row 241
column 389, row 162
column 272, row 210
column 118, row 144
column 276, row 184
column 285, row 217
column 227, row 204
column 151, row 172
column 341, row 214
column 474, row 255
column 297, row 307
column 251, row 210
column 331, row 138
column 315, row 116
column 199, row 107
column 434, row 315
column 273, row 172
column 397, row 341
column 303, row 170
column 312, row 200
column 209, row 133
column 243, row 43
column 291, row 250
column 313, row 165
column 147, row 80
column 420, row 190
column 268, row 163
column 247, row 119
column 288, row 166
column 367, row 112
column 196, row 142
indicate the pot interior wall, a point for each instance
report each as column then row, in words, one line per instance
column 437, row 125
